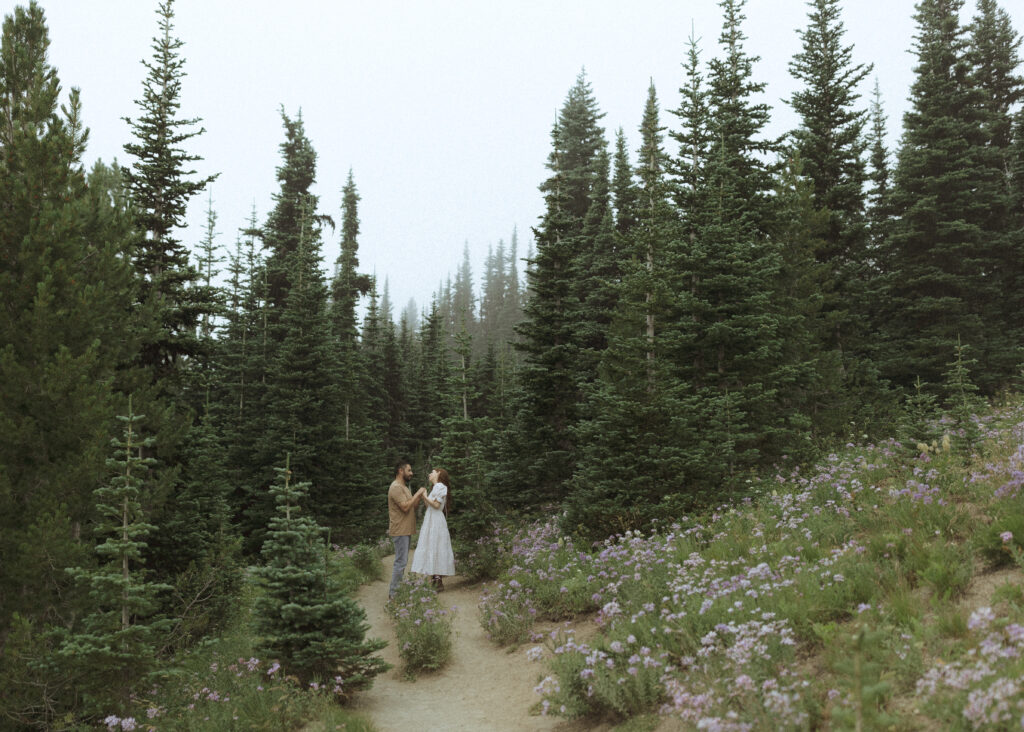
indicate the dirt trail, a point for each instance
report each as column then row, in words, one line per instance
column 484, row 687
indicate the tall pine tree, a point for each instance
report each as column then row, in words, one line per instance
column 941, row 254
column 67, row 293
column 167, row 381
column 993, row 50
column 637, row 443
column 829, row 146
column 361, row 451
column 732, row 348
column 551, row 376
column 161, row 188
column 300, row 408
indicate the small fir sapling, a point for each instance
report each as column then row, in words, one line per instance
column 303, row 618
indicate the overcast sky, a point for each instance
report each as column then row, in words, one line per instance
column 442, row 109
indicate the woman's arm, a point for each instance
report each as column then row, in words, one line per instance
column 432, row 502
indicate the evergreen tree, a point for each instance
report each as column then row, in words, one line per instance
column 830, row 146
column 198, row 531
column 993, row 50
column 514, row 299
column 637, row 443
column 348, row 286
column 209, row 257
column 360, row 449
column 384, row 371
column 114, row 646
column 1017, row 169
column 738, row 121
column 243, row 363
column 302, row 400
column 205, row 593
column 694, row 140
column 1017, row 197
column 917, row 424
column 822, row 386
column 732, row 347
column 500, row 298
column 292, row 205
column 830, row 139
column 623, row 188
column 160, row 185
column 387, row 314
column 67, row 294
column 492, row 292
column 463, row 307
column 300, row 408
column 596, row 274
column 941, row 255
column 467, row 437
column 878, row 175
column 304, row 620
column 167, row 378
column 654, row 239
column 428, row 389
column 551, row 377
column 411, row 314
column 372, row 379
column 962, row 401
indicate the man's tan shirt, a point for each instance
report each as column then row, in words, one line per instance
column 402, row 523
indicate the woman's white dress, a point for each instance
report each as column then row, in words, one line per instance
column 434, row 548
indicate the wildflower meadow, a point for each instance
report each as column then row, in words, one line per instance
column 422, row 625
column 882, row 587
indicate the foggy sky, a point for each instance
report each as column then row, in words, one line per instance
column 442, row 109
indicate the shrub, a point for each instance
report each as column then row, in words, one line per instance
column 949, row 571
column 367, row 560
column 423, row 626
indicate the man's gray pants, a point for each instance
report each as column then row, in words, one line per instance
column 401, row 559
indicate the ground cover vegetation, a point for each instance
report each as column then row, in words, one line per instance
column 422, row 625
column 881, row 588
column 225, row 682
column 689, row 316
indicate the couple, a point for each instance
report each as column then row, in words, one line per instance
column 434, row 550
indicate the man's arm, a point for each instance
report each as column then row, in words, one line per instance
column 406, row 505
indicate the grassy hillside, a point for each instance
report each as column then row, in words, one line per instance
column 881, row 588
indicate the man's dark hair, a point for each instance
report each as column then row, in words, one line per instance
column 401, row 464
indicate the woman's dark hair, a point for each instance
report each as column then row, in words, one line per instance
column 443, row 477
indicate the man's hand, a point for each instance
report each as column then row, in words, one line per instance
column 411, row 503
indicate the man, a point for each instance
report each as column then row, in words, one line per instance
column 402, row 517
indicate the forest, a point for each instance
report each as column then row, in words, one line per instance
column 688, row 317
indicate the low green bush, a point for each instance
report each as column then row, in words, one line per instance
column 423, row 626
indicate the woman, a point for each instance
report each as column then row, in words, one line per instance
column 434, row 548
